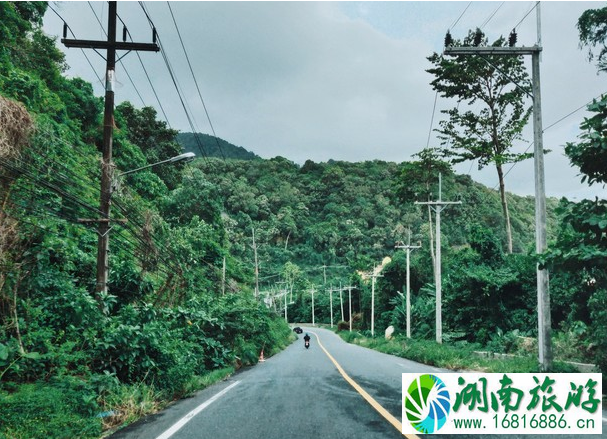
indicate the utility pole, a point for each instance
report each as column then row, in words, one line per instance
column 373, row 275
column 313, row 291
column 256, row 266
column 107, row 167
column 543, row 291
column 408, row 249
column 331, row 304
column 350, row 304
column 223, row 277
column 437, row 207
column 286, row 318
column 324, row 274
column 341, row 301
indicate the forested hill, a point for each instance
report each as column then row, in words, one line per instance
column 212, row 146
column 352, row 214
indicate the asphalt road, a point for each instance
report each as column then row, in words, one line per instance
column 298, row 393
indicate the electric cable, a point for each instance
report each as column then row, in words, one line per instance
column 492, row 15
column 74, row 36
column 175, row 83
column 196, row 82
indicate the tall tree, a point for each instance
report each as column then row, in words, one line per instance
column 499, row 84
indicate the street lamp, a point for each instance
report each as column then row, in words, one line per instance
column 104, row 226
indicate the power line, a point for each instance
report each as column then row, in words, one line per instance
column 432, row 119
column 492, row 15
column 195, row 81
column 175, row 83
column 460, row 17
column 71, row 32
column 526, row 15
column 530, row 144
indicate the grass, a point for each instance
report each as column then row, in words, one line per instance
column 130, row 403
column 458, row 356
column 70, row 407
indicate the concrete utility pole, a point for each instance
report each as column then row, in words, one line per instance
column 223, row 277
column 437, row 207
column 331, row 304
column 373, row 275
column 543, row 291
column 350, row 304
column 341, row 301
column 408, row 249
column 313, row 291
column 107, row 167
column 286, row 318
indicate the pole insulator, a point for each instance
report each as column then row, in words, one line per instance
column 512, row 38
column 124, row 33
column 448, row 39
column 154, row 35
column 64, row 29
column 478, row 37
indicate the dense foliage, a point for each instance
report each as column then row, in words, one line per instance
column 204, row 145
column 65, row 355
column 580, row 251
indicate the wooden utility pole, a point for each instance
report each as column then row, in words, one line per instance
column 107, row 167
column 408, row 249
column 543, row 290
column 438, row 207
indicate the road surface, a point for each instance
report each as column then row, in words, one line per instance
column 300, row 394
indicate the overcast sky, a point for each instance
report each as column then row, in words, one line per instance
column 337, row 80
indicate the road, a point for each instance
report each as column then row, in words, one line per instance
column 299, row 393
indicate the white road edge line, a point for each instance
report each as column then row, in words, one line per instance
column 187, row 418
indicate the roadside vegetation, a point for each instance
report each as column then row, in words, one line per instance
column 460, row 356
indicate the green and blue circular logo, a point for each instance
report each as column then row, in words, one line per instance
column 427, row 403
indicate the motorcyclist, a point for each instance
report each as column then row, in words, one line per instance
column 306, row 339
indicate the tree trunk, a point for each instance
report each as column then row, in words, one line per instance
column 500, row 174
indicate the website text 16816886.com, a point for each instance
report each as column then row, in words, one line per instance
column 485, row 403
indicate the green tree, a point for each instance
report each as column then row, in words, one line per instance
column 499, row 84
column 418, row 182
column 581, row 246
column 156, row 140
column 592, row 26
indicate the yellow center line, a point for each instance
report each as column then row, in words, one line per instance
column 377, row 406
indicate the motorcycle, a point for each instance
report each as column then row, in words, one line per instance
column 307, row 343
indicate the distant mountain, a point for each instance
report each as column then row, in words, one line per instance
column 213, row 147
